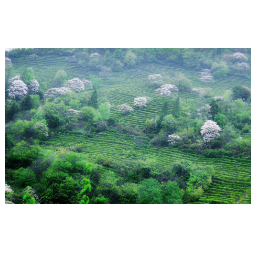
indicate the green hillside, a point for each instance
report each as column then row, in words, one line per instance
column 127, row 150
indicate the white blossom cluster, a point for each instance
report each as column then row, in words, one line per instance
column 73, row 112
column 42, row 128
column 8, row 61
column 56, row 92
column 141, row 101
column 204, row 111
column 8, row 197
column 167, row 89
column 239, row 55
column 87, row 84
column 76, row 84
column 155, row 79
column 173, row 139
column 210, row 131
column 17, row 90
column 93, row 55
column 206, row 76
column 34, row 86
column 33, row 56
column 8, row 189
column 124, row 108
column 218, row 98
column 13, row 79
column 201, row 91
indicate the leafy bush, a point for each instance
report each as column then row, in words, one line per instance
column 22, row 155
column 23, row 178
column 160, row 140
column 149, row 192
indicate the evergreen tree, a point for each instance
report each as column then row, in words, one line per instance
column 26, row 103
column 214, row 108
column 93, row 101
column 176, row 107
column 164, row 111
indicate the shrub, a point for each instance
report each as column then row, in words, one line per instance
column 160, row 140
column 24, row 177
column 149, row 192
column 22, row 155
column 182, row 82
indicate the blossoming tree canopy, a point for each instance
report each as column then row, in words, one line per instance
column 87, row 84
column 141, row 101
column 56, row 92
column 13, row 79
column 155, row 78
column 239, row 55
column 34, row 86
column 210, row 131
column 206, row 76
column 173, row 139
column 124, row 108
column 76, row 84
column 18, row 89
column 166, row 89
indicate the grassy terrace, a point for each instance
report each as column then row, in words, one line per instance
column 232, row 181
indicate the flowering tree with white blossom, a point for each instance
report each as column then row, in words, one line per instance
column 204, row 112
column 42, row 130
column 14, row 78
column 125, row 108
column 201, row 91
column 239, row 55
column 141, row 101
column 17, row 90
column 76, row 84
column 210, row 131
column 87, row 84
column 73, row 115
column 173, row 139
column 34, row 86
column 166, row 89
column 155, row 79
column 56, row 92
column 8, row 194
column 206, row 76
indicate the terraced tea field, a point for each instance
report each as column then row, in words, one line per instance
column 232, row 181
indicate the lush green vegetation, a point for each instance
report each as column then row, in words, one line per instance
column 72, row 144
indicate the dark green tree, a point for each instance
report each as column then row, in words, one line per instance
column 164, row 110
column 11, row 111
column 176, row 108
column 214, row 108
column 93, row 101
column 107, row 57
column 26, row 103
column 238, row 92
column 117, row 54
